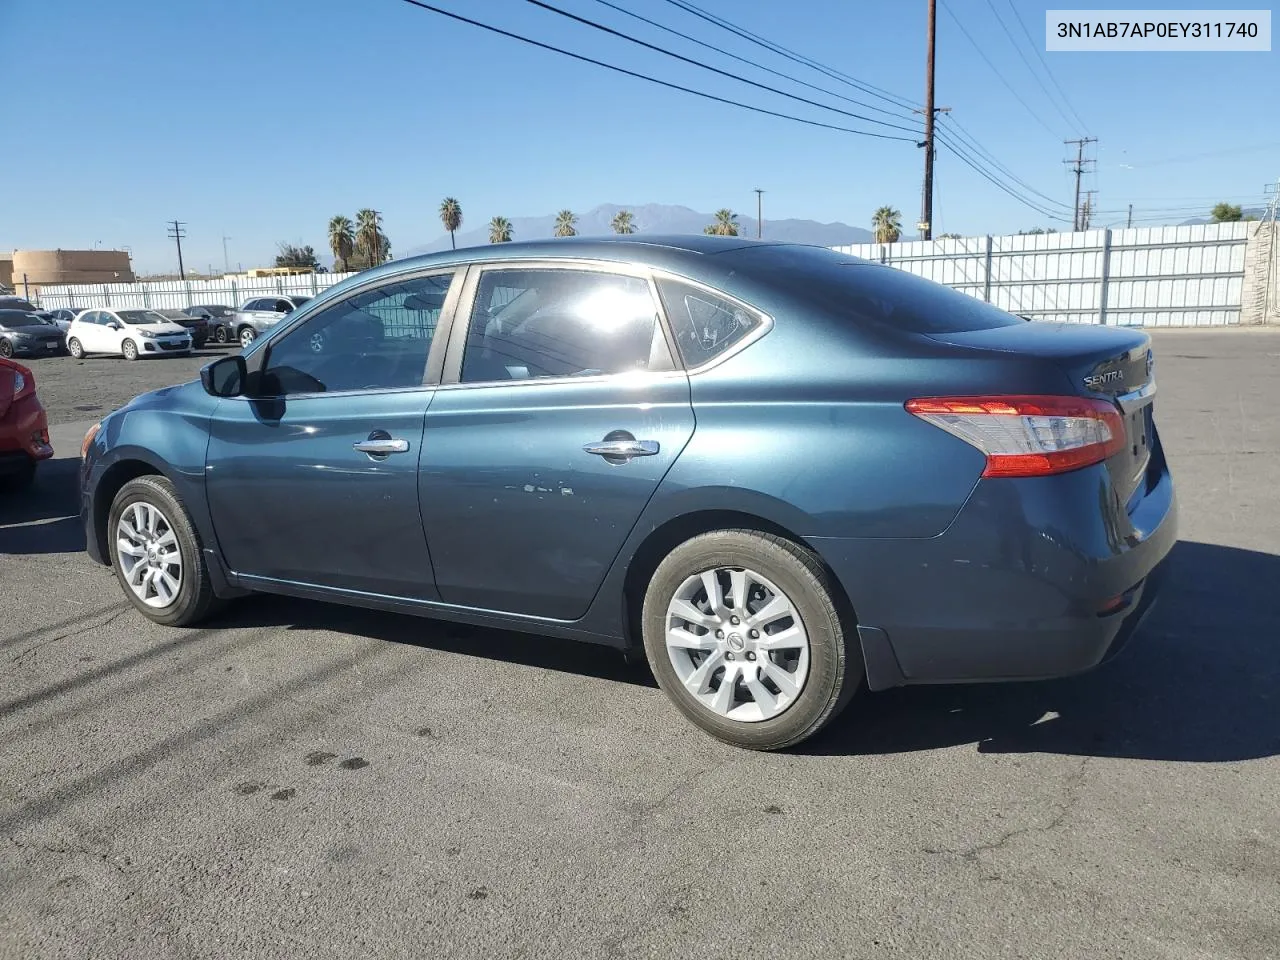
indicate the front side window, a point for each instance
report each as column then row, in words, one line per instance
column 704, row 325
column 535, row 323
column 377, row 339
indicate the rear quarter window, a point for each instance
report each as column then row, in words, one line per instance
column 867, row 292
column 704, row 324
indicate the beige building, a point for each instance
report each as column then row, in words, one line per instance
column 6, row 272
column 42, row 267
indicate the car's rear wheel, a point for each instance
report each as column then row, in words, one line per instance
column 247, row 336
column 129, row 349
column 157, row 555
column 6, row 348
column 220, row 335
column 75, row 349
column 742, row 631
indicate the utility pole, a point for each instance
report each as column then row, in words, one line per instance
column 177, row 230
column 1130, row 223
column 1078, row 169
column 926, row 203
column 226, row 261
column 1086, row 210
column 759, row 213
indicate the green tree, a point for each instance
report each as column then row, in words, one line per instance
column 451, row 217
column 887, row 224
column 565, row 224
column 623, row 222
column 372, row 246
column 342, row 241
column 499, row 230
column 1226, row 213
column 725, row 224
column 296, row 256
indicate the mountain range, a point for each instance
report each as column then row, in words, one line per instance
column 655, row 218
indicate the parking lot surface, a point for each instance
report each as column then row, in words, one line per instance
column 300, row 779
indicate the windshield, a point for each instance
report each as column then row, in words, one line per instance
column 16, row 318
column 141, row 317
column 217, row 311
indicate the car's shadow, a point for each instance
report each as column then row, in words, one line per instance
column 1199, row 682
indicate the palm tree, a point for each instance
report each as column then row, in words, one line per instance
column 499, row 230
column 565, row 221
column 623, row 222
column 451, row 217
column 342, row 241
column 370, row 240
column 887, row 223
column 725, row 225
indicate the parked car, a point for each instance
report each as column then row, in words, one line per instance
column 61, row 317
column 24, row 429
column 129, row 333
column 261, row 314
column 198, row 327
column 23, row 333
column 26, row 306
column 219, row 319
column 782, row 472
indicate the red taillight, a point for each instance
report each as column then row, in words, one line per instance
column 1028, row 436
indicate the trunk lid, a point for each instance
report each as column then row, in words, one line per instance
column 1107, row 362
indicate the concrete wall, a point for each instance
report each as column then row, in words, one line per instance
column 44, row 267
column 1260, row 301
column 6, row 272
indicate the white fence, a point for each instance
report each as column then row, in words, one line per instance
column 176, row 294
column 1157, row 276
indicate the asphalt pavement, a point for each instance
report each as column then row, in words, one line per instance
column 304, row 780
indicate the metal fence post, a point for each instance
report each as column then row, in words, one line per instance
column 1106, row 276
column 986, row 284
column 314, row 288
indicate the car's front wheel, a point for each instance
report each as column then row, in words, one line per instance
column 742, row 631
column 247, row 336
column 75, row 349
column 157, row 555
column 220, row 335
column 6, row 348
column 129, row 349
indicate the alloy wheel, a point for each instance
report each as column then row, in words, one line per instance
column 737, row 643
column 148, row 554
column 247, row 336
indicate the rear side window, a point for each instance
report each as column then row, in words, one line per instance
column 704, row 325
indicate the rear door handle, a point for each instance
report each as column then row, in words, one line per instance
column 383, row 447
column 622, row 449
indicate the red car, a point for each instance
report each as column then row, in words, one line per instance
column 24, row 429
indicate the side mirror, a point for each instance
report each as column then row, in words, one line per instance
column 115, row 325
column 225, row 377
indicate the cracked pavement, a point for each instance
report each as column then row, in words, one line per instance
column 298, row 779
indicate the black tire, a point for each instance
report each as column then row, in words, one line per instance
column 835, row 661
column 74, row 348
column 6, row 348
column 130, row 350
column 245, row 336
column 195, row 599
column 220, row 335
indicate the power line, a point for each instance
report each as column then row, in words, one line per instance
column 640, row 76
column 1000, row 76
column 724, row 73
column 972, row 143
column 975, row 166
column 177, row 229
column 749, row 62
column 1078, row 169
column 1040, row 54
column 792, row 55
column 1017, row 48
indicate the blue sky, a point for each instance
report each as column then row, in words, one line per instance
column 259, row 119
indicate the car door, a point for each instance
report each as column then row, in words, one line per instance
column 313, row 479
column 561, row 411
column 89, row 331
column 112, row 332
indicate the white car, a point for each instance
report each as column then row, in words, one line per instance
column 128, row 333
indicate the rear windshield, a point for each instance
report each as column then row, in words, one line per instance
column 863, row 290
column 142, row 317
column 16, row 303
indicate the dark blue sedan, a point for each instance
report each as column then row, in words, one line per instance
column 786, row 473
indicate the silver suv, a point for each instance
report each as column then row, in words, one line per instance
column 261, row 314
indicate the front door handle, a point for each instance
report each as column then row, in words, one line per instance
column 622, row 449
column 381, row 447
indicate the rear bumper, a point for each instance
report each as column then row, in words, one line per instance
column 1035, row 578
column 24, row 435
